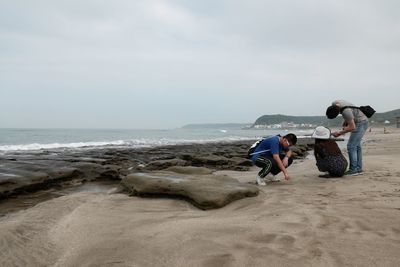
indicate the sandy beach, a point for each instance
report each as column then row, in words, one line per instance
column 307, row 221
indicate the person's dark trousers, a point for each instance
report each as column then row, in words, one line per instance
column 269, row 165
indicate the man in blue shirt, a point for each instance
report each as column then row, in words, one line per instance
column 273, row 156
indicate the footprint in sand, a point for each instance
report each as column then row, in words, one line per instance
column 286, row 240
column 264, row 238
column 280, row 240
column 396, row 231
column 327, row 221
column 220, row 260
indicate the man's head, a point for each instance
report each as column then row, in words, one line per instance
column 291, row 139
column 332, row 111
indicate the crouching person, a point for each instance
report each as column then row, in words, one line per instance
column 273, row 155
column 327, row 153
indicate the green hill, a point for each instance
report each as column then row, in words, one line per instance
column 279, row 118
column 377, row 118
column 386, row 116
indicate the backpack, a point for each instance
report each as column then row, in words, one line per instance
column 253, row 147
column 367, row 110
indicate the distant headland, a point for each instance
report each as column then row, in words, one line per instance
column 278, row 121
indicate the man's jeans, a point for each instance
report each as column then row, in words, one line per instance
column 354, row 146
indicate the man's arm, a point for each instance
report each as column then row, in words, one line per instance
column 281, row 166
column 285, row 160
column 351, row 125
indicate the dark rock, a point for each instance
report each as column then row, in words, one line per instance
column 239, row 161
column 93, row 171
column 20, row 180
column 162, row 164
column 212, row 160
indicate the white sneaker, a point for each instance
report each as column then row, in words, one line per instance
column 272, row 178
column 260, row 181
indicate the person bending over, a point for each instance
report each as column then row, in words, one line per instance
column 327, row 153
column 273, row 155
column 356, row 123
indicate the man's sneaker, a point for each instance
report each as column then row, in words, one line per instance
column 352, row 173
column 360, row 171
column 260, row 181
column 272, row 178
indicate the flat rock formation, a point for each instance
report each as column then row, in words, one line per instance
column 28, row 171
column 205, row 191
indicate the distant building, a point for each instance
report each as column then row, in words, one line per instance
column 284, row 125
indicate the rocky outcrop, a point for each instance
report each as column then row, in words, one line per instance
column 32, row 170
column 19, row 176
column 205, row 191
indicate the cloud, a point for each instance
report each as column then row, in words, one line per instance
column 197, row 56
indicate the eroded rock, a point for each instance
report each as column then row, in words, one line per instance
column 203, row 191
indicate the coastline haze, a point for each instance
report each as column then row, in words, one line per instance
column 165, row 64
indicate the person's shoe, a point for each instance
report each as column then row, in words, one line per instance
column 272, row 178
column 360, row 171
column 352, row 173
column 260, row 181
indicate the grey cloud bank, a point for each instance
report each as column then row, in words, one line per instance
column 163, row 64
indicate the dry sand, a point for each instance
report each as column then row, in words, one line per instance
column 308, row 221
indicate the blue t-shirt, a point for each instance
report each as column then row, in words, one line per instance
column 271, row 145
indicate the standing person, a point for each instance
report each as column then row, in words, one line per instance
column 327, row 153
column 355, row 122
column 273, row 156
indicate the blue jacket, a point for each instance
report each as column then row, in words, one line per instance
column 268, row 147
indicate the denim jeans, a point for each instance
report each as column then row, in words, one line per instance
column 354, row 146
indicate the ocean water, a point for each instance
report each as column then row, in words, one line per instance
column 37, row 139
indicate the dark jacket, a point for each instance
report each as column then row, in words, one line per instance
column 329, row 157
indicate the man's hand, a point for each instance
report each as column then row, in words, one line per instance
column 336, row 134
column 287, row 177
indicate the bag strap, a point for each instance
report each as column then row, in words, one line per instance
column 259, row 152
column 341, row 109
column 259, row 141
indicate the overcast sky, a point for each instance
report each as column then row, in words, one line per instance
column 167, row 63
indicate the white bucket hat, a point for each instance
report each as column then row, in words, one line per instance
column 321, row 132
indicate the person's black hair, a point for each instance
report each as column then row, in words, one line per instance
column 332, row 112
column 292, row 138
